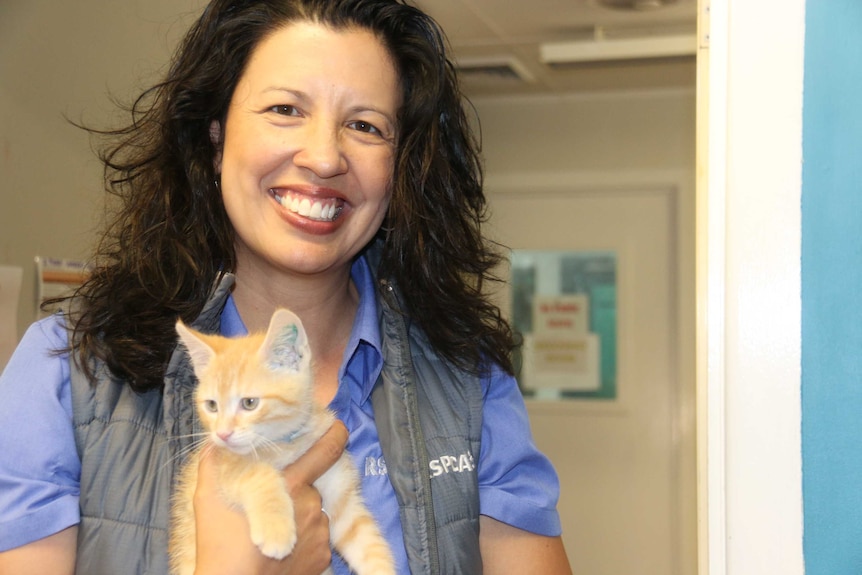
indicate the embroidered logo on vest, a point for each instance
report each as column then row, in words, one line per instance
column 375, row 466
column 452, row 464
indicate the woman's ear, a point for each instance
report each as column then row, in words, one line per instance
column 215, row 138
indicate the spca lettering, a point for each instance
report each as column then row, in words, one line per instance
column 452, row 464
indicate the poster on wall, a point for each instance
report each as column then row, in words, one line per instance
column 56, row 277
column 564, row 308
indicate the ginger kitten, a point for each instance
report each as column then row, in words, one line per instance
column 254, row 399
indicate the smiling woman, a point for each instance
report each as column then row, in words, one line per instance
column 303, row 154
column 291, row 142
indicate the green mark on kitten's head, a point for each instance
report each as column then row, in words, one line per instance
column 284, row 353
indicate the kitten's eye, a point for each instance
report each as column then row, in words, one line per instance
column 249, row 403
column 211, row 405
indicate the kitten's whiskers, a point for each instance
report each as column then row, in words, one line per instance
column 200, row 440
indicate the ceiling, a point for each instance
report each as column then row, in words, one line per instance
column 496, row 43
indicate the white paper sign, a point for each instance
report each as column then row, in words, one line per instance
column 561, row 360
column 55, row 278
column 561, row 353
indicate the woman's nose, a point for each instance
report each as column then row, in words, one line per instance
column 320, row 149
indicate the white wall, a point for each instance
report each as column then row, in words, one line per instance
column 595, row 133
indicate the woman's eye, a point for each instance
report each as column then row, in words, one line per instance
column 285, row 110
column 361, row 126
column 249, row 403
column 211, row 405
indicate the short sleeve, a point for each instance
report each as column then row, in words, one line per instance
column 517, row 483
column 39, row 465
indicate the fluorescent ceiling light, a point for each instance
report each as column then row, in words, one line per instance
column 602, row 49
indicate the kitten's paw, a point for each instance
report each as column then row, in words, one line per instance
column 275, row 539
column 276, row 550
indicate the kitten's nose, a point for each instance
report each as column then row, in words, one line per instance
column 224, row 435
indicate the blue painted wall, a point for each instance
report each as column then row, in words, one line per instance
column 832, row 288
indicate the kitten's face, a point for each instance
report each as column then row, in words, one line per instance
column 244, row 404
column 252, row 390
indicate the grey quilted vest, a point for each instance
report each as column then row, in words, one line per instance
column 131, row 445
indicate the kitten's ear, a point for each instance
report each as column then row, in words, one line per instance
column 200, row 352
column 286, row 344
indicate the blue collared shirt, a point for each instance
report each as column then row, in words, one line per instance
column 40, row 469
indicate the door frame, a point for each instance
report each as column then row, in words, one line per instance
column 749, row 165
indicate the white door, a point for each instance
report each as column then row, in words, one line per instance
column 626, row 465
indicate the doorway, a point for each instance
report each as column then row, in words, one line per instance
column 626, row 462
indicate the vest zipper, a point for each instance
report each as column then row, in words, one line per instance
column 419, row 446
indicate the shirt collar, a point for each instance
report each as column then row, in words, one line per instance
column 231, row 323
column 363, row 347
column 365, row 327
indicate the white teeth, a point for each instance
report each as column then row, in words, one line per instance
column 304, row 207
column 314, row 210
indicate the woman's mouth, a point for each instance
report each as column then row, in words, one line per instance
column 317, row 209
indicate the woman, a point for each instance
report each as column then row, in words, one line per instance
column 314, row 155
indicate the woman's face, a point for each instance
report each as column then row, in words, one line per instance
column 309, row 144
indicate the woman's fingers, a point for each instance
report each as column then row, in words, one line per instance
column 322, row 455
column 311, row 522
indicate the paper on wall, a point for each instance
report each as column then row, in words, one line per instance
column 56, row 277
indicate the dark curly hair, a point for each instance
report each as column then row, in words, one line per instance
column 170, row 239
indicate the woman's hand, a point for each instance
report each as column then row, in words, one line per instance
column 223, row 542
